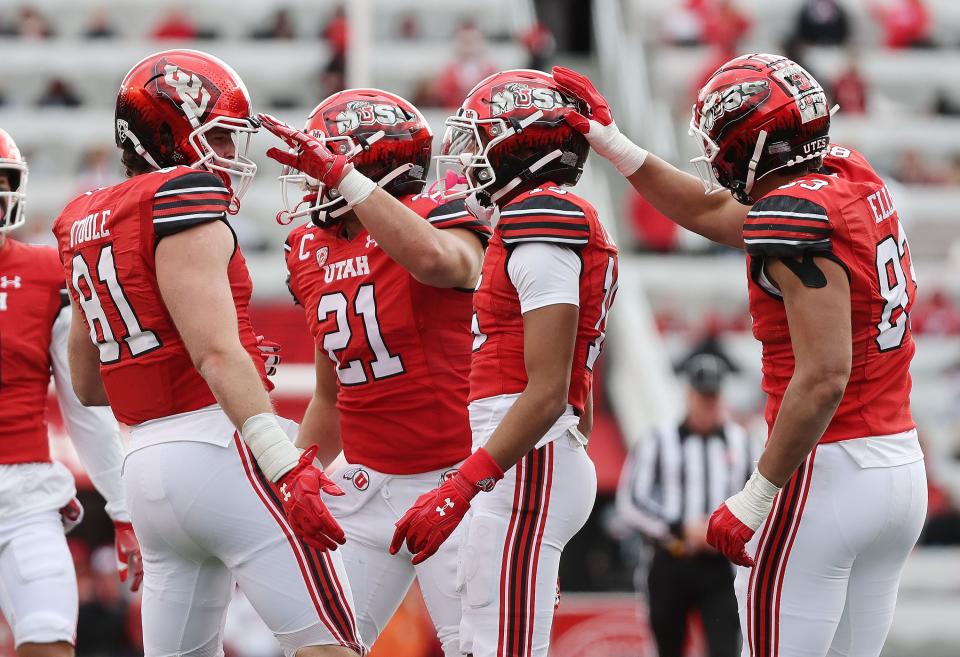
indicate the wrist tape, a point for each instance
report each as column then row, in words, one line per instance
column 355, row 187
column 752, row 505
column 270, row 445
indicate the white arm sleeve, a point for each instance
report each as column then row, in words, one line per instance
column 544, row 274
column 94, row 430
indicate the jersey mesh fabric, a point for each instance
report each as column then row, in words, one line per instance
column 401, row 349
column 108, row 237
column 843, row 212
column 31, row 296
column 553, row 215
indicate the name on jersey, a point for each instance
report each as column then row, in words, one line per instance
column 881, row 204
column 89, row 229
column 349, row 268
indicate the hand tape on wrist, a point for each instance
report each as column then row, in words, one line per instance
column 355, row 187
column 626, row 156
column 270, row 445
column 752, row 505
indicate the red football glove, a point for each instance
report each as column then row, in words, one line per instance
column 730, row 536
column 129, row 560
column 434, row 516
column 299, row 492
column 71, row 515
column 580, row 87
column 270, row 353
column 597, row 125
column 312, row 157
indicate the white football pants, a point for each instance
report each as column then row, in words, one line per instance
column 38, row 585
column 829, row 558
column 511, row 554
column 373, row 503
column 207, row 520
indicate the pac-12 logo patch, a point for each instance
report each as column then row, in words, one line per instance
column 322, row 254
column 359, row 477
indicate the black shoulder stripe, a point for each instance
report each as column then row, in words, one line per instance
column 448, row 210
column 788, row 207
column 171, row 227
column 542, row 203
column 191, row 180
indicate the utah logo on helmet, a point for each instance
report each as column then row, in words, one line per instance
column 509, row 136
column 192, row 92
column 755, row 115
column 383, row 135
column 168, row 103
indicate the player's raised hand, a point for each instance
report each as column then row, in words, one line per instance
column 309, row 155
column 597, row 125
column 580, row 86
column 129, row 559
column 434, row 516
column 309, row 517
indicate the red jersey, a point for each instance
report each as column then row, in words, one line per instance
column 843, row 212
column 554, row 215
column 31, row 296
column 401, row 349
column 107, row 240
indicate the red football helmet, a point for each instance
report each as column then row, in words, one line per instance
column 171, row 100
column 15, row 167
column 510, row 135
column 757, row 114
column 384, row 136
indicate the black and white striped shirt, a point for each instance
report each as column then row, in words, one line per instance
column 677, row 476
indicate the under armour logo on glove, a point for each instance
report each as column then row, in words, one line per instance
column 308, row 516
column 423, row 530
column 447, row 504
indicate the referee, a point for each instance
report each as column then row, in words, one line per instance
column 670, row 485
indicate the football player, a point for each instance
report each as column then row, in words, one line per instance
column 392, row 336
column 548, row 279
column 217, row 491
column 838, row 498
column 38, row 586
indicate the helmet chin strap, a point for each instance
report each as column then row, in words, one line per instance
column 526, row 174
column 752, row 167
column 141, row 151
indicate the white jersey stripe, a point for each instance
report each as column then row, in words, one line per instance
column 778, row 213
column 569, row 213
column 192, row 190
column 182, row 217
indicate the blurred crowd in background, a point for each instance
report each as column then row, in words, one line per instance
column 603, row 556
